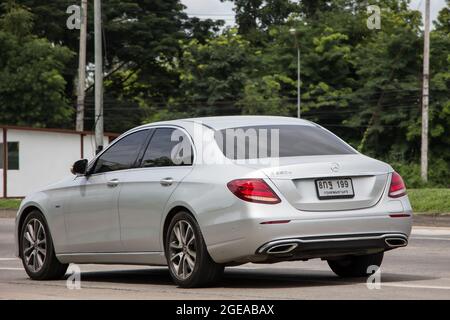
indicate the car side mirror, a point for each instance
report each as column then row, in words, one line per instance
column 79, row 167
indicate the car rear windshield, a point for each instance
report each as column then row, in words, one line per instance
column 279, row 141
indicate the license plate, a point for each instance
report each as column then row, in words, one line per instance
column 341, row 188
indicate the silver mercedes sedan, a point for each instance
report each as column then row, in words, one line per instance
column 201, row 194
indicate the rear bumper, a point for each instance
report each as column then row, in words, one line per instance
column 241, row 238
column 331, row 246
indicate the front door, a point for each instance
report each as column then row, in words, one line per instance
column 91, row 210
column 92, row 221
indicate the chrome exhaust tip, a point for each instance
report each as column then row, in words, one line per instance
column 396, row 242
column 282, row 248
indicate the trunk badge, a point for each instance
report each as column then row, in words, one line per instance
column 281, row 172
column 335, row 167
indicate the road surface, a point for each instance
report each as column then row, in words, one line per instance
column 419, row 271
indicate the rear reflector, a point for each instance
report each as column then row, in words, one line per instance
column 399, row 215
column 253, row 190
column 275, row 222
column 397, row 188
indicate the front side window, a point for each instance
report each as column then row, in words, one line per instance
column 13, row 156
column 168, row 147
column 123, row 154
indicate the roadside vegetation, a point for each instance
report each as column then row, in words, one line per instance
column 430, row 200
column 161, row 63
column 363, row 84
column 10, row 203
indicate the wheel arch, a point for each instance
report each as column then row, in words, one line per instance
column 169, row 216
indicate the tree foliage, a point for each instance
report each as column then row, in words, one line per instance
column 363, row 84
column 31, row 81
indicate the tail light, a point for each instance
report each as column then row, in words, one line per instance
column 253, row 190
column 397, row 188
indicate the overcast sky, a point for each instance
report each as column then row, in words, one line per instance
column 216, row 9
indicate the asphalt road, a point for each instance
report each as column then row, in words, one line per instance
column 419, row 271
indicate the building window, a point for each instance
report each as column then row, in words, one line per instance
column 13, row 156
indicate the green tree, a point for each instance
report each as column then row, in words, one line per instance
column 141, row 43
column 31, row 81
column 388, row 67
column 263, row 96
column 253, row 17
column 227, row 75
column 439, row 95
column 213, row 75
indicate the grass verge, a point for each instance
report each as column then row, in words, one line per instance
column 430, row 200
column 10, row 203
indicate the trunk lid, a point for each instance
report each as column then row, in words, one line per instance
column 295, row 177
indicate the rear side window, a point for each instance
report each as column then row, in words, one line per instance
column 279, row 141
column 168, row 147
column 122, row 155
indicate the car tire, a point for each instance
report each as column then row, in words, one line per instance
column 37, row 251
column 355, row 266
column 189, row 262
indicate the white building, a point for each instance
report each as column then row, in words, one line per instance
column 32, row 158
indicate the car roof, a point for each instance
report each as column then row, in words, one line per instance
column 220, row 123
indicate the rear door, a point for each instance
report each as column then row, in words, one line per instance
column 145, row 191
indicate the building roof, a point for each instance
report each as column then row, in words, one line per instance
column 68, row 131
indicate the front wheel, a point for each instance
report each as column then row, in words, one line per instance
column 355, row 266
column 36, row 249
column 189, row 262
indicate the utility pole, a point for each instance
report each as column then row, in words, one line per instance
column 82, row 68
column 297, row 44
column 98, row 76
column 298, row 80
column 425, row 94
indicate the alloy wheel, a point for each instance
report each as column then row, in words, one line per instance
column 34, row 245
column 182, row 249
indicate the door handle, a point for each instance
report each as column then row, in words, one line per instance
column 113, row 183
column 166, row 182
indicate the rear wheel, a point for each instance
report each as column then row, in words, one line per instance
column 355, row 266
column 189, row 262
column 36, row 249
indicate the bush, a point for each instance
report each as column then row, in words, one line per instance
column 438, row 174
